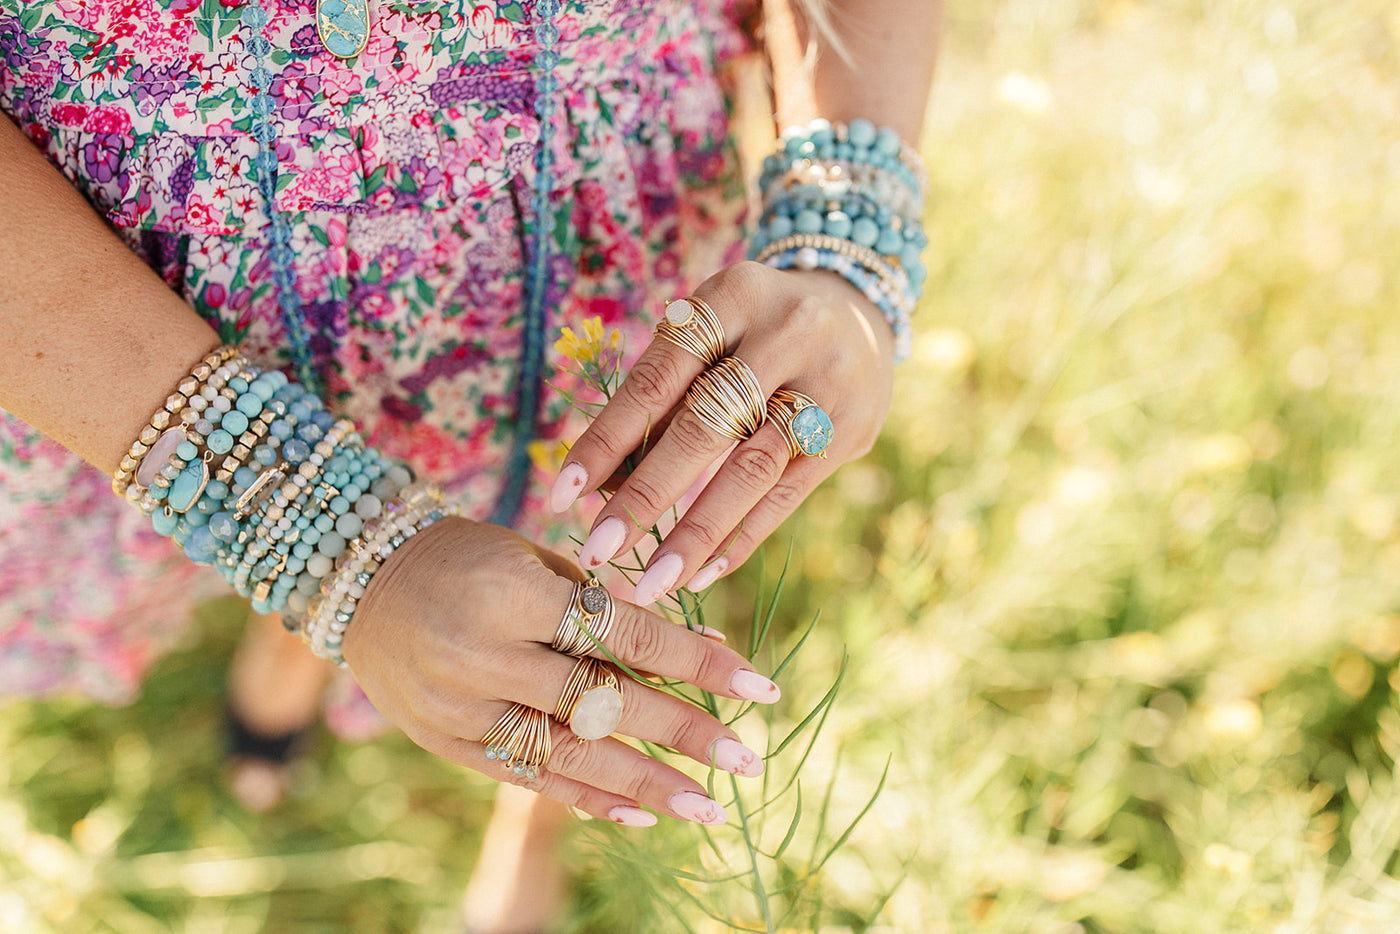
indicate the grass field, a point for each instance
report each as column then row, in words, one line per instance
column 1119, row 585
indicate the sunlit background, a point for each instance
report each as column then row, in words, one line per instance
column 1119, row 585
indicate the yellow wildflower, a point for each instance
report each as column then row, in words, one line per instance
column 547, row 455
column 569, row 345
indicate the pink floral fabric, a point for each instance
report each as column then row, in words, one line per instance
column 407, row 173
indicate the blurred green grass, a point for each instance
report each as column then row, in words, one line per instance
column 1120, row 581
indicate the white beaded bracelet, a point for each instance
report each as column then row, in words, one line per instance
column 329, row 612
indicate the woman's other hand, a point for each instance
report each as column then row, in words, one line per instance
column 456, row 627
column 806, row 331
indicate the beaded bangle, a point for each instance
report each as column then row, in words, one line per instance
column 823, row 180
column 859, row 142
column 161, row 419
column 895, row 282
column 254, row 476
column 330, row 612
column 186, row 433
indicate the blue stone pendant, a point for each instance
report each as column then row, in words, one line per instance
column 343, row 26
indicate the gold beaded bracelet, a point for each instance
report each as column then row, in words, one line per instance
column 158, row 423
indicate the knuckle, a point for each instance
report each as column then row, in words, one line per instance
column 603, row 436
column 631, row 780
column 692, row 433
column 757, row 466
column 645, row 646
column 786, row 496
column 691, row 734
column 703, row 528
column 740, row 282
column 645, row 493
column 569, row 757
column 651, row 384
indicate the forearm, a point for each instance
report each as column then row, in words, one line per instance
column 95, row 340
column 884, row 76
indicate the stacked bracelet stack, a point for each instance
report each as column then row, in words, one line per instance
column 848, row 198
column 248, row 472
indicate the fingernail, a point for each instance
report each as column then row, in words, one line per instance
column 629, row 816
column 736, row 757
column 567, row 486
column 708, row 574
column 750, row 685
column 687, row 805
column 659, row 578
column 710, row 632
column 604, row 543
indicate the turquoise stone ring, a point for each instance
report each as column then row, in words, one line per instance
column 343, row 26
column 805, row 424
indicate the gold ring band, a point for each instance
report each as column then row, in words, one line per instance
column 692, row 325
column 728, row 398
column 805, row 425
column 588, row 617
column 590, row 704
column 520, row 740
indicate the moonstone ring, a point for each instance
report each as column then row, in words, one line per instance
column 804, row 424
column 693, row 326
column 591, row 703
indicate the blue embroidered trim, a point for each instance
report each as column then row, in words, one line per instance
column 255, row 18
column 517, row 467
column 530, row 380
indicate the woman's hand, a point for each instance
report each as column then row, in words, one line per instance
column 456, row 627
column 811, row 332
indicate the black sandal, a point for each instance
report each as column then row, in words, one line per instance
column 244, row 746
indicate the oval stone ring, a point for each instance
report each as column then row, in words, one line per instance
column 591, row 703
column 805, row 424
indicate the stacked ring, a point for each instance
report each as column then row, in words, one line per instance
column 693, row 326
column 520, row 740
column 728, row 398
column 589, row 616
column 591, row 702
column 805, row 424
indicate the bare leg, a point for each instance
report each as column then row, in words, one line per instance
column 274, row 688
column 518, row 884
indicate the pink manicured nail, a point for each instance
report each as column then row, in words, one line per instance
column 708, row 574
column 604, row 543
column 567, row 487
column 750, row 685
column 687, row 805
column 659, row 578
column 710, row 632
column 736, row 757
column 629, row 816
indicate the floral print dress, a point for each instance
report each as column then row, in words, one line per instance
column 407, row 173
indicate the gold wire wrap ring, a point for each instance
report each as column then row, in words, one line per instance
column 728, row 398
column 520, row 740
column 805, row 424
column 590, row 704
column 590, row 611
column 693, row 326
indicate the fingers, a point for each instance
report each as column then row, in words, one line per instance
column 803, row 476
column 647, row 714
column 644, row 642
column 749, row 473
column 630, row 420
column 587, row 798
column 605, row 778
column 654, row 388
